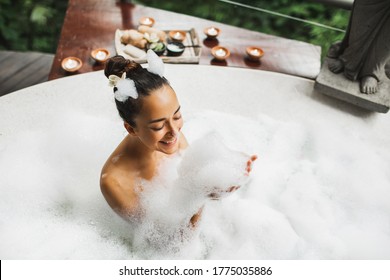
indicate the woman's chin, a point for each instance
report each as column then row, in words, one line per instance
column 168, row 148
column 169, row 152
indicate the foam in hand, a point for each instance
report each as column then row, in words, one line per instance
column 209, row 165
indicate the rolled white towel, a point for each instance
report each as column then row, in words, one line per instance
column 134, row 51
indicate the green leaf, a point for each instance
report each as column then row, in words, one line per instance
column 40, row 15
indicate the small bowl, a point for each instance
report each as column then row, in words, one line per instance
column 148, row 21
column 177, row 35
column 100, row 55
column 175, row 48
column 254, row 53
column 71, row 64
column 212, row 32
column 160, row 50
column 220, row 53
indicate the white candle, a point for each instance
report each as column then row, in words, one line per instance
column 71, row 63
column 147, row 21
column 100, row 55
column 212, row 31
column 255, row 52
column 220, row 53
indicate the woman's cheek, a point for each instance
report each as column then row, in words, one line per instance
column 153, row 136
column 180, row 124
column 159, row 135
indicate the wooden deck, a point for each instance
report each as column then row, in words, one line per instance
column 91, row 24
column 23, row 69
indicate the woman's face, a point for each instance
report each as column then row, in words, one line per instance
column 159, row 123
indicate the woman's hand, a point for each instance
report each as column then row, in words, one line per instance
column 249, row 164
column 195, row 218
column 218, row 193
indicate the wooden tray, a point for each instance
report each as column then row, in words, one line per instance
column 191, row 53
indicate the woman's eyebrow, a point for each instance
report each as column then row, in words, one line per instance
column 162, row 119
column 178, row 109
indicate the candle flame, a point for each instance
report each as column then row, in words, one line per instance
column 71, row 63
column 100, row 55
column 212, row 31
column 220, row 52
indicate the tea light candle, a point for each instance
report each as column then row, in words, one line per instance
column 254, row 53
column 71, row 63
column 220, row 53
column 177, row 36
column 211, row 32
column 101, row 55
column 148, row 21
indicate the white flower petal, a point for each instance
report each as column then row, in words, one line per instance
column 126, row 88
column 156, row 65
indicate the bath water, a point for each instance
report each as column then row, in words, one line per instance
column 309, row 194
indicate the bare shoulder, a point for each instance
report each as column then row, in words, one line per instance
column 109, row 181
column 117, row 184
column 116, row 171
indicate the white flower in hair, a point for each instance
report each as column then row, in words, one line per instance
column 125, row 87
column 113, row 79
column 156, row 65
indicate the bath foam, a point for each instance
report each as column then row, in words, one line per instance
column 209, row 166
column 51, row 203
column 317, row 191
column 183, row 186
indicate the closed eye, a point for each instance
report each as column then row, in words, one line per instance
column 156, row 128
column 175, row 118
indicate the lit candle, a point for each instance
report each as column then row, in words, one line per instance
column 147, row 21
column 212, row 31
column 100, row 55
column 255, row 52
column 177, row 35
column 220, row 53
column 71, row 63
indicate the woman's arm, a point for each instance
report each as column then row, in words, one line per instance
column 124, row 201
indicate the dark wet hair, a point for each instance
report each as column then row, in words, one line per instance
column 145, row 83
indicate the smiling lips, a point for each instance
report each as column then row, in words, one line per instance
column 170, row 142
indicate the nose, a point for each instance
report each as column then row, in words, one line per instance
column 172, row 128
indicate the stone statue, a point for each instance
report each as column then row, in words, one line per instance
column 365, row 49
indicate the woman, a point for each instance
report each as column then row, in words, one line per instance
column 151, row 113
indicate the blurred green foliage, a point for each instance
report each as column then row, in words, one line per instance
column 36, row 24
column 31, row 25
column 268, row 23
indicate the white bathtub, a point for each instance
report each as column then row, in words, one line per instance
column 321, row 188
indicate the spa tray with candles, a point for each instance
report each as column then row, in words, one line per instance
column 173, row 46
